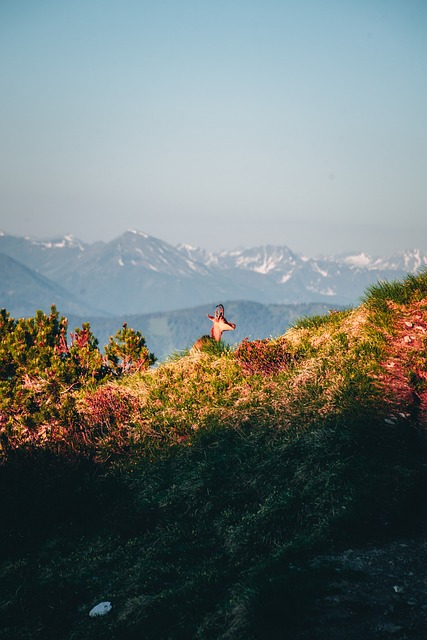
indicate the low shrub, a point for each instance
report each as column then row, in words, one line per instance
column 263, row 356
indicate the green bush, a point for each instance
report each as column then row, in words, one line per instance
column 127, row 352
column 40, row 373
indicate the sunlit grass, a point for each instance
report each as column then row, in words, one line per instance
column 412, row 288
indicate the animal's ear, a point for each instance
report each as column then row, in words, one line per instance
column 211, row 317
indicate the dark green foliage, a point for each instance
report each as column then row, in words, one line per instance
column 40, row 368
column 44, row 493
column 210, row 542
column 40, row 372
column 127, row 352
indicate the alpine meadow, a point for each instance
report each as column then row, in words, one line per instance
column 215, row 494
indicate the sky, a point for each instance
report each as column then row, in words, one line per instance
column 219, row 124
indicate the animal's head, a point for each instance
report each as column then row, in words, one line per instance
column 220, row 323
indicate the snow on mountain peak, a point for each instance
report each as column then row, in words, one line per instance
column 265, row 259
column 358, row 260
column 67, row 241
column 414, row 259
column 136, row 232
column 197, row 255
column 137, row 249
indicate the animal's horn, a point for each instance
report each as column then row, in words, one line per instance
column 219, row 311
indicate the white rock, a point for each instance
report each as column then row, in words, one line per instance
column 101, row 609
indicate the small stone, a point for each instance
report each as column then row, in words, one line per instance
column 398, row 589
column 409, row 324
column 100, row 609
column 407, row 339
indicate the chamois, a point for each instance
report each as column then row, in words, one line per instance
column 220, row 324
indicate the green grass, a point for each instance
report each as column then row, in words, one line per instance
column 202, row 488
column 412, row 288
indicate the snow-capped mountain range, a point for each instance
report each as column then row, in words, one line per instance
column 137, row 273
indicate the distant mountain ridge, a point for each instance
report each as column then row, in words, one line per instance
column 23, row 291
column 137, row 274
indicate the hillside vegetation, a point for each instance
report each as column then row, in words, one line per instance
column 194, row 495
column 170, row 331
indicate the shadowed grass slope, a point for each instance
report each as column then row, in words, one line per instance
column 206, row 485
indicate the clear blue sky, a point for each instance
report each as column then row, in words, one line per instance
column 221, row 124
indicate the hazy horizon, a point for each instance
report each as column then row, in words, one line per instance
column 236, row 124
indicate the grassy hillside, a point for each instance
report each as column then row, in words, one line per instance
column 193, row 496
